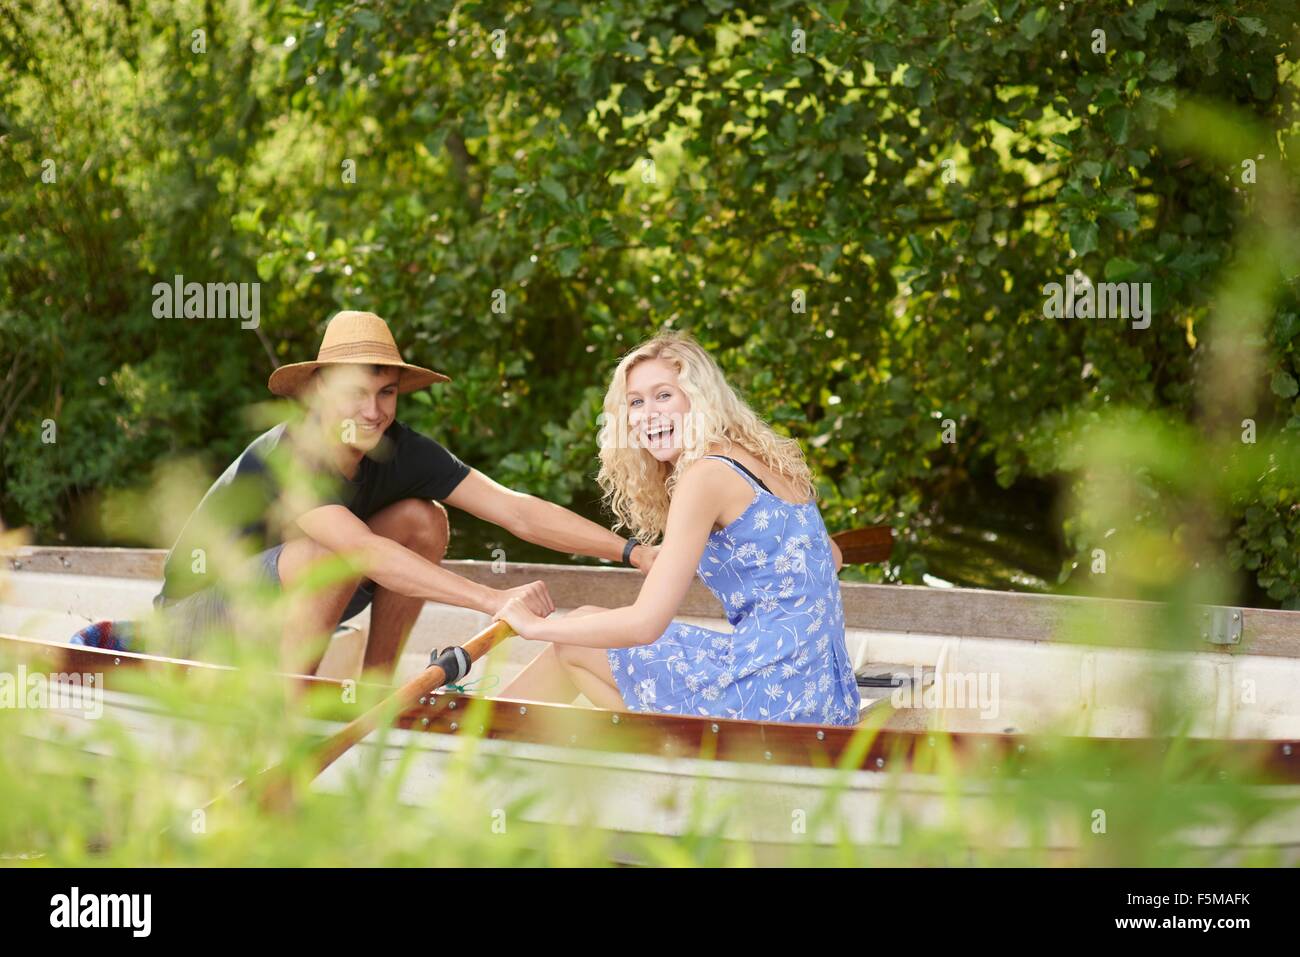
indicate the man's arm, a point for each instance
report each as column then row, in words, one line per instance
column 397, row 568
column 541, row 522
column 697, row 503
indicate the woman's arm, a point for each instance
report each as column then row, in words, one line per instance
column 695, row 507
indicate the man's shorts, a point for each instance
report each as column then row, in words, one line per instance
column 208, row 608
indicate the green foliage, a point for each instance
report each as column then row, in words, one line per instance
column 774, row 171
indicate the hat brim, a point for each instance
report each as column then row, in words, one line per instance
column 289, row 380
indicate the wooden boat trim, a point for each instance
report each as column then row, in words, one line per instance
column 901, row 609
column 722, row 739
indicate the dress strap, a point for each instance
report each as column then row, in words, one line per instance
column 760, row 482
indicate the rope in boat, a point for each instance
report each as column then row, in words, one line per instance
column 470, row 687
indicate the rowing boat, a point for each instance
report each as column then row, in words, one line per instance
column 992, row 676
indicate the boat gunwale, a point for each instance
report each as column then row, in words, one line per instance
column 726, row 739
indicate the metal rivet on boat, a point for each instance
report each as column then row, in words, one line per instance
column 767, row 755
column 821, row 735
column 523, row 710
column 424, row 722
column 1286, row 749
column 66, row 563
column 1020, row 748
column 17, row 564
column 616, row 719
column 1236, row 615
column 880, row 762
column 452, row 705
column 117, row 661
column 424, row 701
column 455, row 726
column 715, row 728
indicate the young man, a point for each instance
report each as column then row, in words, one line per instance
column 377, row 488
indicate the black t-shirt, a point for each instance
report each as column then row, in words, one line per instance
column 247, row 496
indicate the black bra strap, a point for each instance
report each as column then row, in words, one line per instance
column 761, row 483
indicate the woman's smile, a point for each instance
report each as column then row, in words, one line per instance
column 659, row 435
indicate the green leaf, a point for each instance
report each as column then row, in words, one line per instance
column 523, row 270
column 1288, row 324
column 1117, row 125
column 1125, row 218
column 1083, row 238
column 1118, row 269
column 1161, row 70
column 693, row 20
column 268, row 266
column 1033, row 23
column 568, row 261
column 631, row 101
column 1163, row 96
column 248, row 220
column 554, row 189
column 1202, row 32
column 1284, row 384
column 1252, row 25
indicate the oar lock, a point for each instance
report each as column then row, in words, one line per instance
column 454, row 662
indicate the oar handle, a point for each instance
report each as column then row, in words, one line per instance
column 865, row 546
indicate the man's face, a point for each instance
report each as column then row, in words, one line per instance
column 358, row 401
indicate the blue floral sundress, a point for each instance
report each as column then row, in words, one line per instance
column 774, row 572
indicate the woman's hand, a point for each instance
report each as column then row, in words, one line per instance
column 518, row 616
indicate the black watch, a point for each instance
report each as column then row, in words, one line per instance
column 627, row 551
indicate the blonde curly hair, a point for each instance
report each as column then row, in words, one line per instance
column 637, row 487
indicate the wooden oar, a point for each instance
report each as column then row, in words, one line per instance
column 865, row 546
column 452, row 664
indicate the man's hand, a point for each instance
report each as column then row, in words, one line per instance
column 534, row 596
column 643, row 557
column 520, row 617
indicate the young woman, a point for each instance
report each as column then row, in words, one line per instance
column 683, row 456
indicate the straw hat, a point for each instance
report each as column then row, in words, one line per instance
column 359, row 338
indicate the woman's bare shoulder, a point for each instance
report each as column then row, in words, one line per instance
column 705, row 474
